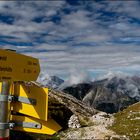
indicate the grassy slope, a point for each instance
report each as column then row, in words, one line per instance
column 127, row 122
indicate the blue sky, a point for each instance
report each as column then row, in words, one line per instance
column 91, row 36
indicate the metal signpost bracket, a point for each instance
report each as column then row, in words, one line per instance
column 23, row 100
column 32, row 125
column 13, row 124
column 6, row 98
column 4, row 126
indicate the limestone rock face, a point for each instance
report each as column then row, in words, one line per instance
column 74, row 122
column 102, row 99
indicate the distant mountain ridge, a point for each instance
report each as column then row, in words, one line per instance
column 109, row 94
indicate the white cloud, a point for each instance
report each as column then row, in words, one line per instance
column 77, row 19
column 113, row 57
column 81, row 38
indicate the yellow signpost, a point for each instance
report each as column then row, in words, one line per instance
column 32, row 113
column 28, row 100
column 18, row 67
column 47, row 127
column 38, row 98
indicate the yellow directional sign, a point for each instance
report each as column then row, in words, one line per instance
column 47, row 127
column 18, row 67
column 34, row 93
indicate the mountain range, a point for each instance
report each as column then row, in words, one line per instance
column 110, row 93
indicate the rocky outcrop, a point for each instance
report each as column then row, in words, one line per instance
column 74, row 122
column 97, row 129
column 75, row 106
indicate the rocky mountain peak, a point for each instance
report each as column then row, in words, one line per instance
column 50, row 81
